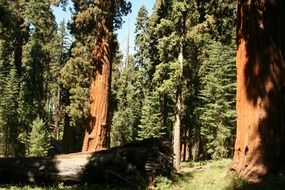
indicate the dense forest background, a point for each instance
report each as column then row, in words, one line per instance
column 182, row 73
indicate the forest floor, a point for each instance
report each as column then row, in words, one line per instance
column 208, row 175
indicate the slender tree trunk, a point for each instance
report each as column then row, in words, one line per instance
column 176, row 132
column 177, row 123
column 97, row 132
column 57, row 115
column 260, row 138
column 185, row 151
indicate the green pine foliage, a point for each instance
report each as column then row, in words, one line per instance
column 141, row 39
column 151, row 120
column 40, row 68
column 9, row 86
column 75, row 79
column 29, row 47
column 39, row 142
column 59, row 57
column 217, row 96
column 37, row 55
column 8, row 115
column 128, row 95
column 216, row 91
column 164, row 36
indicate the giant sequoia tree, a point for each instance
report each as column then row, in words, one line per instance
column 259, row 148
column 97, row 131
column 108, row 17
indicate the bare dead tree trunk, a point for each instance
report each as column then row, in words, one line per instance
column 130, row 164
column 260, row 138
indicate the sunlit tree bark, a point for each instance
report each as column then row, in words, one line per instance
column 97, row 133
column 260, row 138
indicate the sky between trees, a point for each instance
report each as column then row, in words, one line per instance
column 129, row 20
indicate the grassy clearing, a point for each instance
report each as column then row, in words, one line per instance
column 215, row 175
column 210, row 175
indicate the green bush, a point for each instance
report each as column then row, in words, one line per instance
column 39, row 142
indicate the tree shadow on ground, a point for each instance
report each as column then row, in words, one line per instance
column 271, row 182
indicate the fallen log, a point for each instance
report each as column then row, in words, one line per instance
column 124, row 164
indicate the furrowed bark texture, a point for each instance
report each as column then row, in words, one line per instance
column 97, row 132
column 259, row 147
column 132, row 163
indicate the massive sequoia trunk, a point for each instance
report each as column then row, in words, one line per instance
column 97, row 132
column 260, row 138
column 130, row 164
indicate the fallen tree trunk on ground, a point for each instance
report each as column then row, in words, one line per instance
column 124, row 164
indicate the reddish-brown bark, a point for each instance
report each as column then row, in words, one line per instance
column 97, row 132
column 260, row 138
